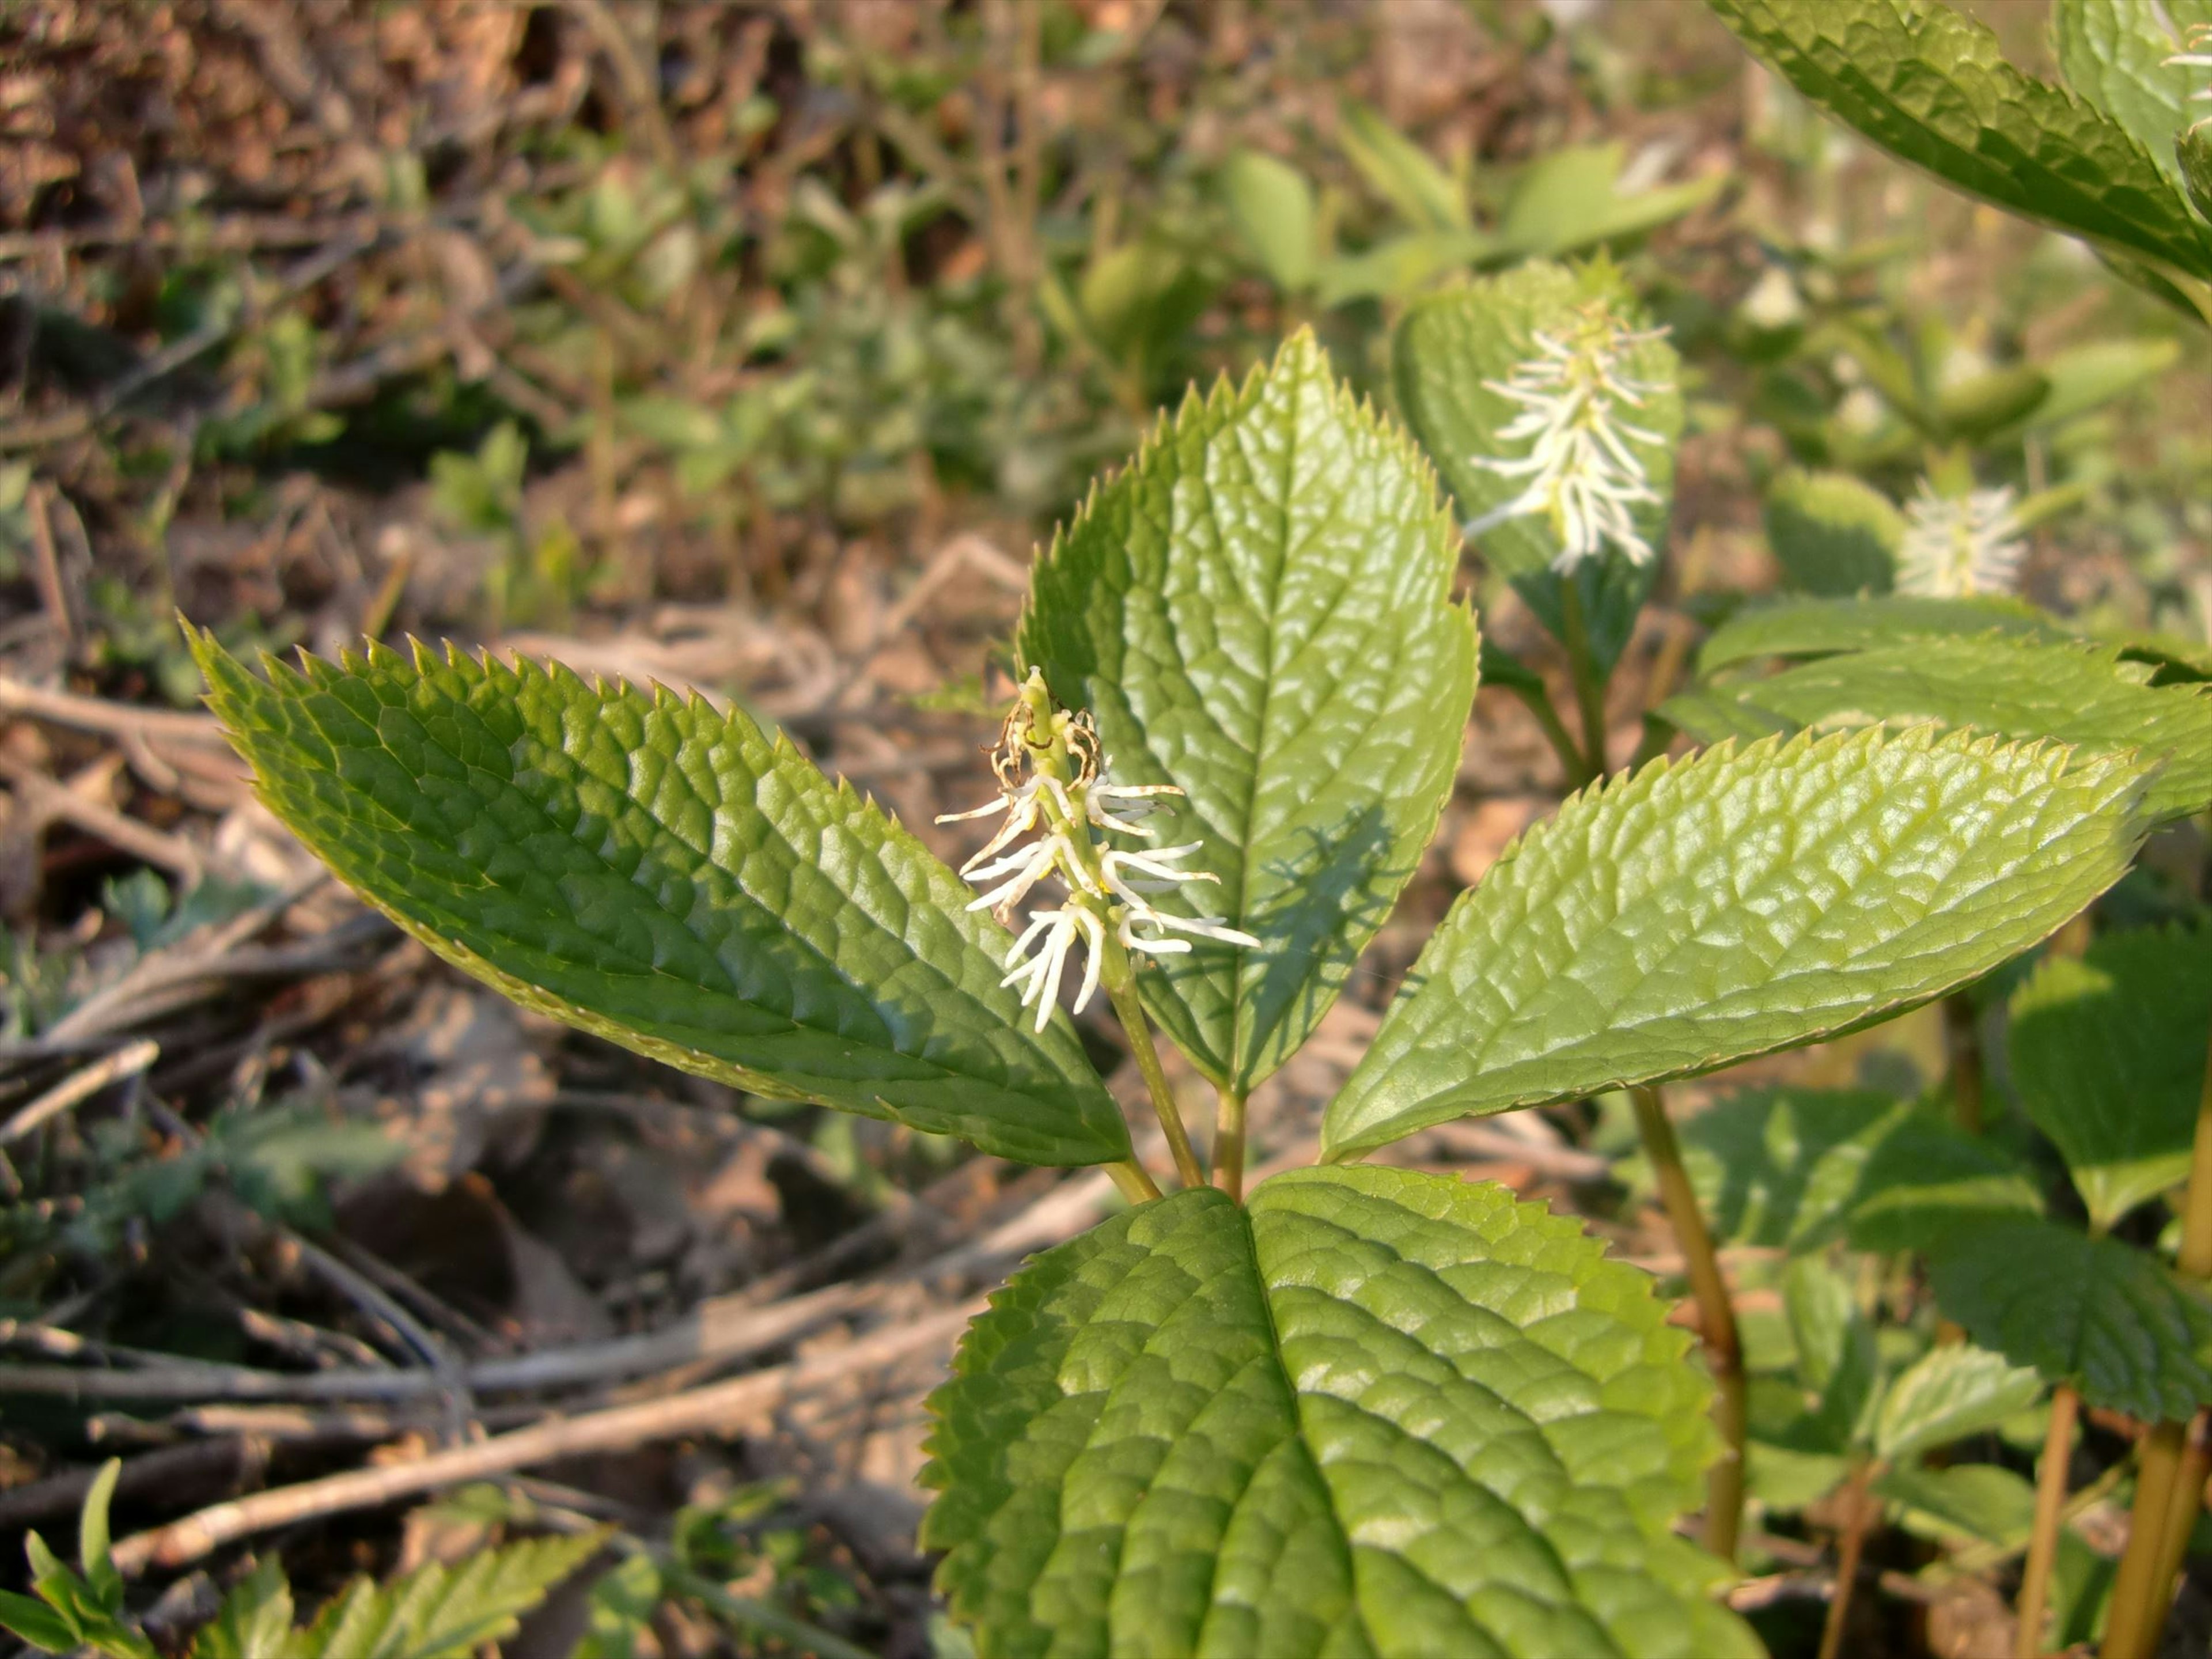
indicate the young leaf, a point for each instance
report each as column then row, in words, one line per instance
column 2113, row 53
column 1377, row 1411
column 1800, row 1168
column 2108, row 1053
column 1569, row 199
column 1952, row 1391
column 1833, row 626
column 255, row 1619
column 92, row 1537
column 1271, row 206
column 2108, row 1318
column 668, row 878
column 1256, row 612
column 1742, row 900
column 441, row 1611
column 1984, row 1502
column 1935, row 89
column 2085, row 696
column 35, row 1622
column 1837, row 1363
column 1443, row 357
column 1832, row 534
column 1401, row 171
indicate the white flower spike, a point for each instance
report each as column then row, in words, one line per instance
column 1056, row 784
column 1957, row 547
column 1583, row 474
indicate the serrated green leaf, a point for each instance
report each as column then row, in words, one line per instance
column 1569, row 199
column 1934, row 88
column 1984, row 1502
column 1832, row 626
column 2094, row 1312
column 1401, row 171
column 2113, row 53
column 1271, row 206
column 1837, row 1364
column 441, row 1612
column 1743, row 900
column 2085, row 696
column 2108, row 1054
column 1952, row 1391
column 1256, row 612
column 1832, row 533
column 1446, row 350
column 668, row 878
column 1801, row 1169
column 255, row 1619
column 1379, row 1412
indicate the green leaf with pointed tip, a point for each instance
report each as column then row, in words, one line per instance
column 1256, row 612
column 1832, row 626
column 1377, row 1412
column 255, row 1619
column 1952, row 1391
column 2086, row 696
column 2108, row 1056
column 2101, row 1314
column 1837, row 1363
column 1569, row 199
column 35, row 1622
column 1974, row 409
column 1934, row 88
column 1271, row 206
column 1800, row 1168
column 1401, row 171
column 1742, row 900
column 1442, row 356
column 1832, row 533
column 442, row 1612
column 1983, row 1502
column 92, row 1536
column 2086, row 376
column 668, row 878
column 2113, row 53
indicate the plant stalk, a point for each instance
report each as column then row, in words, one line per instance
column 1715, row 1318
column 2043, row 1540
column 1853, row 1547
column 1120, row 981
column 1962, row 1047
column 2165, row 1501
column 1228, row 1144
column 1590, row 682
column 1134, row 1182
column 1579, row 769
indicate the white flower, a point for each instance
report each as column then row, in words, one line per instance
column 1039, row 975
column 1582, row 475
column 1956, row 547
column 1156, row 873
column 2197, row 56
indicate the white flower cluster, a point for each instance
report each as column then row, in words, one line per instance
column 1955, row 547
column 1582, row 472
column 1106, row 885
column 2198, row 56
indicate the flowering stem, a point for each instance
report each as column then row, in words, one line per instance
column 1228, row 1144
column 2042, row 1540
column 1134, row 1180
column 1715, row 1318
column 2170, row 1480
column 1120, row 979
column 1539, row 705
column 1590, row 681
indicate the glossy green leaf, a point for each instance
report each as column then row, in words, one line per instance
column 1377, row 1412
column 1444, row 351
column 1833, row 534
column 1952, row 1391
column 1271, row 206
column 1740, row 902
column 1801, row 1169
column 1935, row 88
column 2085, row 696
column 1256, row 612
column 669, row 877
column 2113, row 53
column 1832, row 626
column 1401, row 171
column 2108, row 1056
column 1569, row 199
column 2101, row 1314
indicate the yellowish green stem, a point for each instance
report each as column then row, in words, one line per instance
column 2043, row 1539
column 1860, row 1511
column 1715, row 1318
column 1120, row 979
column 1590, row 681
column 1228, row 1144
column 1134, row 1180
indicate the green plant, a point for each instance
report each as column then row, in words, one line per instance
column 1360, row 1405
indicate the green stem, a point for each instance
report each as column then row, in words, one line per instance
column 1862, row 1512
column 2143, row 1588
column 1715, row 1318
column 1589, row 680
column 1579, row 771
column 1134, row 1180
column 1962, row 1045
column 1228, row 1144
column 1120, row 979
column 2043, row 1540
